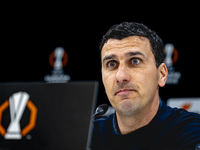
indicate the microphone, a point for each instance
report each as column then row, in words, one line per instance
column 101, row 109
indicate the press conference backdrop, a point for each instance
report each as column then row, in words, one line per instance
column 68, row 51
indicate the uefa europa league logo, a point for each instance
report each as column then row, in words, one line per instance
column 169, row 48
column 17, row 103
column 59, row 51
column 171, row 57
column 58, row 60
column 171, row 54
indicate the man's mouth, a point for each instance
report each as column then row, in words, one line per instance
column 124, row 91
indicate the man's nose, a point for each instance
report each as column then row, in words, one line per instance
column 122, row 75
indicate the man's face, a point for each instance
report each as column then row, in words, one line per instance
column 129, row 74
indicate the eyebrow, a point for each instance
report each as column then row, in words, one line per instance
column 127, row 55
column 109, row 57
column 135, row 53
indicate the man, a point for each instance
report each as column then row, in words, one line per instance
column 132, row 72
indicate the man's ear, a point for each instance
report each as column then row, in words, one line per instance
column 163, row 73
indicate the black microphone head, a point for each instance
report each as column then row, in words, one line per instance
column 103, row 108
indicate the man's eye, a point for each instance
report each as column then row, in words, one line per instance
column 135, row 61
column 111, row 64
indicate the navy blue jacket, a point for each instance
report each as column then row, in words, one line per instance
column 171, row 128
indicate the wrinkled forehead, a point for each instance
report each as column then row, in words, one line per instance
column 130, row 43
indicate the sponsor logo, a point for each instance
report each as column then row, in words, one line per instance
column 189, row 104
column 171, row 57
column 186, row 106
column 17, row 102
column 58, row 59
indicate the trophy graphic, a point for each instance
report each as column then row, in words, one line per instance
column 58, row 60
column 59, row 51
column 169, row 48
column 17, row 103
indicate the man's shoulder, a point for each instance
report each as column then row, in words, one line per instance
column 178, row 121
column 184, row 126
column 182, row 115
column 176, row 118
column 179, row 115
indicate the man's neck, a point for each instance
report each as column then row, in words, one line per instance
column 130, row 124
